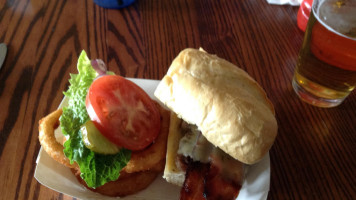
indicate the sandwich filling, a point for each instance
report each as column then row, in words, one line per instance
column 205, row 163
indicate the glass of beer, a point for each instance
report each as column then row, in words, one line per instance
column 326, row 68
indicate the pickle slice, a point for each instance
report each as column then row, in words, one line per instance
column 95, row 141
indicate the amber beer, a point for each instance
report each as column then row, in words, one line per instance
column 326, row 68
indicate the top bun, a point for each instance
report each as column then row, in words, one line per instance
column 230, row 108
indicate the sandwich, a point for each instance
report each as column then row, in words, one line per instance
column 221, row 121
column 114, row 136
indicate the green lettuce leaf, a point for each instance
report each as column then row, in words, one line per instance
column 96, row 169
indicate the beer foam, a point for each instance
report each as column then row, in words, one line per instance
column 340, row 15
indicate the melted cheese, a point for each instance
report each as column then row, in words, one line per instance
column 194, row 145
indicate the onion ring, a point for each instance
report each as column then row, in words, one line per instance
column 153, row 157
column 48, row 141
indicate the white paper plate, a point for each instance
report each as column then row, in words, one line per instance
column 59, row 178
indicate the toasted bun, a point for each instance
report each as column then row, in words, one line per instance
column 127, row 184
column 230, row 109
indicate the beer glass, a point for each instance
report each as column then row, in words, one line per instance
column 326, row 68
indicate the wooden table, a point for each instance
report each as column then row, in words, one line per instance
column 314, row 155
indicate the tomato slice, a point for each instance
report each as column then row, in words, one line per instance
column 123, row 112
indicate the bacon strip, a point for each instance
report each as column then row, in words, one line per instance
column 206, row 181
column 193, row 187
column 218, row 187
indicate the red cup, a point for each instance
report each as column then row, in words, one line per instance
column 303, row 14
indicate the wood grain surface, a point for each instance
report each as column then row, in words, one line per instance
column 314, row 156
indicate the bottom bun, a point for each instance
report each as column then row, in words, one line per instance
column 127, row 184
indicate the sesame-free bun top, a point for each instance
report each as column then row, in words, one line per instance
column 228, row 106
